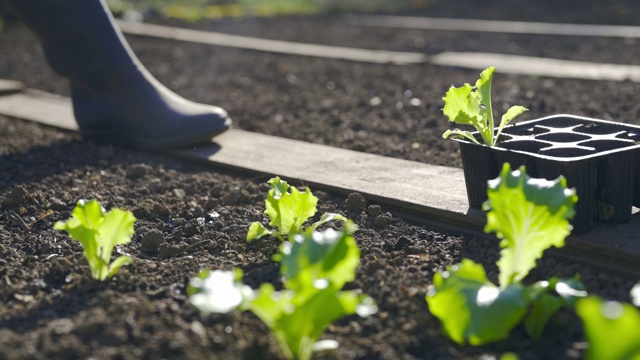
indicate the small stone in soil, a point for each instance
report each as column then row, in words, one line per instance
column 231, row 198
column 355, row 201
column 179, row 193
column 57, row 204
column 403, row 242
column 374, row 210
column 383, row 220
column 17, row 196
column 166, row 250
column 136, row 171
column 62, row 326
column 152, row 239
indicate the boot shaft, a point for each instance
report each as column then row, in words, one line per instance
column 81, row 40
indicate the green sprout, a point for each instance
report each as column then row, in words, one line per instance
column 315, row 266
column 471, row 105
column 288, row 210
column 99, row 232
column 529, row 216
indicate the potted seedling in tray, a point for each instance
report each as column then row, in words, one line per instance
column 599, row 158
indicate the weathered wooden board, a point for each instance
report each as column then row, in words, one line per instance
column 534, row 66
column 41, row 107
column 513, row 64
column 434, row 194
column 274, row 46
column 434, row 191
column 510, row 27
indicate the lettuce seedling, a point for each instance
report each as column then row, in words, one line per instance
column 471, row 105
column 99, row 232
column 529, row 215
column 288, row 210
column 315, row 267
column 611, row 328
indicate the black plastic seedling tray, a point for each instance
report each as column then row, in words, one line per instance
column 599, row 158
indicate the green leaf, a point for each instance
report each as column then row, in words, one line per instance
column 325, row 219
column 506, row 119
column 288, row 208
column 278, row 187
column 547, row 298
column 329, row 256
column 315, row 266
column 99, row 233
column 471, row 308
column 471, row 105
column 529, row 215
column 483, row 92
column 460, row 107
column 89, row 213
column 611, row 328
column 464, row 134
column 295, row 209
column 544, row 307
column 298, row 319
column 256, row 231
column 509, row 356
column 115, row 229
column 513, row 112
column 463, row 107
column 270, row 305
column 116, row 265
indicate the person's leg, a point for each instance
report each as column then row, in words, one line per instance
column 113, row 94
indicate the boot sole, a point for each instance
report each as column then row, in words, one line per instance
column 130, row 140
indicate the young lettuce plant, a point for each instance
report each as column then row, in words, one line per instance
column 529, row 216
column 315, row 266
column 99, row 232
column 288, row 210
column 471, row 105
column 611, row 328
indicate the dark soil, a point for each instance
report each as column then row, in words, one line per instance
column 52, row 309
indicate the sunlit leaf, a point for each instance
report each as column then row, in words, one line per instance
column 471, row 105
column 99, row 232
column 611, row 328
column 530, row 216
column 471, row 308
column 331, row 256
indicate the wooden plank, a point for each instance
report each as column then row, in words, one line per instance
column 40, row 107
column 434, row 191
column 513, row 64
column 528, row 65
column 273, row 46
column 10, row 87
column 510, row 27
column 430, row 193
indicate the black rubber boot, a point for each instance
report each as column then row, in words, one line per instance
column 114, row 96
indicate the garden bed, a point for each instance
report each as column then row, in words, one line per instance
column 51, row 308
